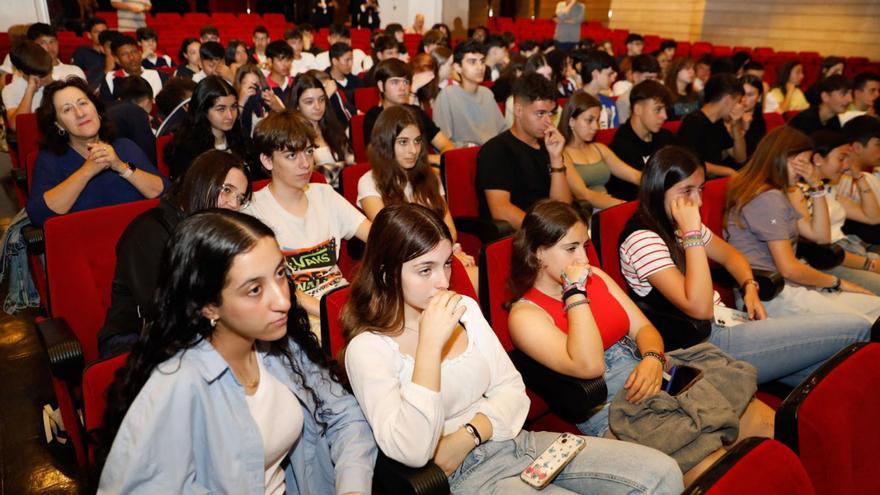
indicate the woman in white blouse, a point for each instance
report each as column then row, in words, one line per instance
column 435, row 383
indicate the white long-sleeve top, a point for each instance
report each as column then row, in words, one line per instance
column 407, row 419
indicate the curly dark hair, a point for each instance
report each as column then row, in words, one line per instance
column 192, row 274
column 53, row 138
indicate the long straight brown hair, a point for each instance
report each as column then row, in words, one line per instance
column 767, row 168
column 400, row 233
column 391, row 178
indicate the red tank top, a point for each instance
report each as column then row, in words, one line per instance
column 608, row 313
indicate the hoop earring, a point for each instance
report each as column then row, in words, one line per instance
column 61, row 131
column 213, row 322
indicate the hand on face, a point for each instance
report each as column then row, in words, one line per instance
column 577, row 270
column 805, row 169
column 440, row 317
column 686, row 214
column 553, row 141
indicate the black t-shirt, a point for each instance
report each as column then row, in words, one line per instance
column 707, row 139
column 809, row 122
column 630, row 148
column 508, row 164
column 428, row 126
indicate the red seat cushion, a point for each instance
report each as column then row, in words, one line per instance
column 768, row 467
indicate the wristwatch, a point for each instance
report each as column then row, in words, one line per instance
column 555, row 170
column 129, row 170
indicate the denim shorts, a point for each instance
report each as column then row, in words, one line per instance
column 620, row 360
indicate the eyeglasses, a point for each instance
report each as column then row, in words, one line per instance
column 230, row 193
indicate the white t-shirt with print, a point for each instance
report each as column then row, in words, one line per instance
column 310, row 243
column 367, row 188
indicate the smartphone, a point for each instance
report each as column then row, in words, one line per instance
column 553, row 460
column 681, row 378
column 729, row 317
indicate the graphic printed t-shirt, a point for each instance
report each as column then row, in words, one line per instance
column 310, row 243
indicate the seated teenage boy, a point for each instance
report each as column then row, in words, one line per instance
column 705, row 132
column 340, row 70
column 309, row 220
column 523, row 165
column 643, row 134
column 47, row 37
column 467, row 112
column 213, row 62
column 149, row 41
column 864, row 134
column 279, row 56
column 834, row 98
column 128, row 55
column 597, row 72
column 394, row 79
column 32, row 71
column 91, row 58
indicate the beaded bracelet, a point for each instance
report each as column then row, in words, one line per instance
column 819, row 193
column 570, row 306
column 690, row 233
column 690, row 244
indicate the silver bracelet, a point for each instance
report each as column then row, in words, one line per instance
column 570, row 306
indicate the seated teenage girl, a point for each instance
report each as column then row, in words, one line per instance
column 665, row 256
column 435, row 383
column 229, row 391
column 401, row 173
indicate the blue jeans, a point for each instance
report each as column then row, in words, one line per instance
column 604, row 466
column 789, row 348
column 620, row 360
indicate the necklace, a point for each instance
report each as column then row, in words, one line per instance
column 250, row 384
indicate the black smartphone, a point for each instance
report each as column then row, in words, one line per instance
column 681, row 378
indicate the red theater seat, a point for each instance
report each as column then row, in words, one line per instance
column 755, row 466
column 830, row 421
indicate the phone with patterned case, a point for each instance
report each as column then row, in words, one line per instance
column 553, row 460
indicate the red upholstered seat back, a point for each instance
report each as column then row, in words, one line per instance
column 837, row 425
column 755, row 466
column 773, row 120
column 366, row 98
column 460, row 180
column 97, row 378
column 606, row 229
column 161, row 165
column 712, row 211
column 357, row 138
column 333, row 302
column 28, row 134
column 80, row 263
column 605, row 136
column 672, row 126
column 350, row 177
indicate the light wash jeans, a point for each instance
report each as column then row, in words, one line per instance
column 862, row 278
column 789, row 348
column 799, row 300
column 620, row 360
column 604, row 467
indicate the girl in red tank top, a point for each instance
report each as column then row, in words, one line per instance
column 572, row 317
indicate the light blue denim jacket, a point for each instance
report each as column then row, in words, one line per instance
column 189, row 430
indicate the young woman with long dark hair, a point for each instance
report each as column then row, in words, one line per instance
column 215, row 180
column 592, row 163
column 332, row 148
column 665, row 254
column 228, row 391
column 786, row 93
column 401, row 173
column 435, row 383
column 753, row 115
column 211, row 122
